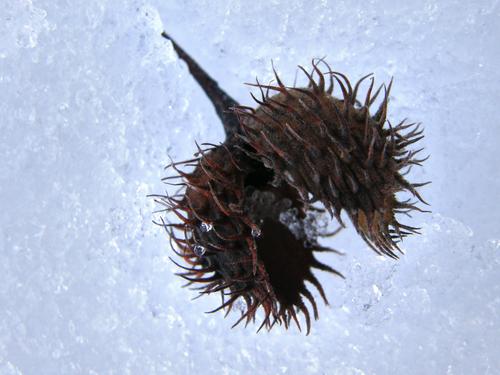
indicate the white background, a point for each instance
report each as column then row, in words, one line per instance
column 92, row 100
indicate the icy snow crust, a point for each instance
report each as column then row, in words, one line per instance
column 92, row 100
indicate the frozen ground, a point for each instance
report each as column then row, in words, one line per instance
column 91, row 102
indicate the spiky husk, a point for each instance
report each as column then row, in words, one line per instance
column 298, row 147
column 337, row 152
column 231, row 238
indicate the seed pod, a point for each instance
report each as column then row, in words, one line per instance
column 243, row 226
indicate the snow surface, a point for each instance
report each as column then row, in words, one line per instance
column 92, row 100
